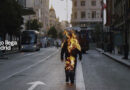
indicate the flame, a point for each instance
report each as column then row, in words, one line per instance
column 70, row 62
column 67, row 34
column 72, row 44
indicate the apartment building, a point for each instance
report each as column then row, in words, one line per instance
column 86, row 13
column 41, row 8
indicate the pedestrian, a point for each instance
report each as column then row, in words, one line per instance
column 57, row 44
column 71, row 49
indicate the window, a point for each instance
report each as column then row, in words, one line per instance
column 93, row 3
column 83, row 14
column 89, row 15
column 75, row 15
column 82, row 3
column 93, row 14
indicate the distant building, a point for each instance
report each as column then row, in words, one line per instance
column 58, row 25
column 52, row 17
column 86, row 13
column 45, row 14
column 64, row 24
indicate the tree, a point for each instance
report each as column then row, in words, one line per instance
column 33, row 25
column 52, row 32
column 10, row 17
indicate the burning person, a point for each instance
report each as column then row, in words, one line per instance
column 71, row 48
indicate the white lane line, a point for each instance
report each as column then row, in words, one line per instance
column 33, row 65
column 29, row 54
column 80, row 85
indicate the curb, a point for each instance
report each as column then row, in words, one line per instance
column 3, row 57
column 11, row 52
column 121, row 62
column 8, row 53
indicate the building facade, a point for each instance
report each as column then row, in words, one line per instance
column 42, row 12
column 41, row 8
column 86, row 13
column 109, row 12
column 52, row 17
column 118, row 19
column 64, row 25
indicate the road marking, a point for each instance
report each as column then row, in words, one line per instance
column 79, row 77
column 29, row 54
column 28, row 67
column 35, row 84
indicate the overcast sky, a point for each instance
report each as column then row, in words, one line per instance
column 61, row 10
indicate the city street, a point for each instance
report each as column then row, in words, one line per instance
column 65, row 45
column 43, row 70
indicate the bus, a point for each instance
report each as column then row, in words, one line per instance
column 30, row 40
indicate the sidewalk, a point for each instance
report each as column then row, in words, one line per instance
column 116, row 57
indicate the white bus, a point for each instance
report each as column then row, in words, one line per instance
column 30, row 40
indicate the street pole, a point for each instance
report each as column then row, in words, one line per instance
column 29, row 22
column 102, row 36
column 126, row 46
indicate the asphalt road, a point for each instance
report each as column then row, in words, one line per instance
column 43, row 70
column 103, row 73
column 40, row 70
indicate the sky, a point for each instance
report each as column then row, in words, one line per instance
column 61, row 10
